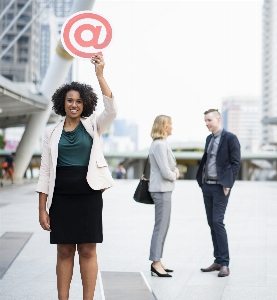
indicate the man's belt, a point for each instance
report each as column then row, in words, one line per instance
column 211, row 181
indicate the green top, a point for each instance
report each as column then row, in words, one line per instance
column 74, row 147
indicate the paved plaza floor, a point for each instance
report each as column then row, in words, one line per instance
column 251, row 223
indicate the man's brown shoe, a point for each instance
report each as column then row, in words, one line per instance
column 213, row 267
column 224, row 271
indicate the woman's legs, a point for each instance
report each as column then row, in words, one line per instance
column 8, row 172
column 12, row 174
column 65, row 263
column 88, row 268
column 162, row 219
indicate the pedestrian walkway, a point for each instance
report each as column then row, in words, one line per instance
column 125, row 286
column 251, row 223
column 11, row 244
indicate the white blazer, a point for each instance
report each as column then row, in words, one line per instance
column 98, row 175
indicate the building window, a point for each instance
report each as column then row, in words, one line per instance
column 9, row 16
column 7, row 59
column 8, row 76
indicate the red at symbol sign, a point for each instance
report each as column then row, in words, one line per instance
column 85, row 33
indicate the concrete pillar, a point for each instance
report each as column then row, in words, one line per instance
column 54, row 77
column 138, row 168
column 274, row 165
column 244, row 170
column 130, row 172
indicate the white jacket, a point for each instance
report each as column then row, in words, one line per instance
column 98, row 175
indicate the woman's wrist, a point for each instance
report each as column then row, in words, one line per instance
column 100, row 77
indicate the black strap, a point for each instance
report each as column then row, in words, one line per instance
column 145, row 165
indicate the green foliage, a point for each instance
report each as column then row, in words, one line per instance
column 2, row 142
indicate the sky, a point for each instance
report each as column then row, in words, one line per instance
column 178, row 58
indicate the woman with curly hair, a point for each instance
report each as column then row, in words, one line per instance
column 73, row 175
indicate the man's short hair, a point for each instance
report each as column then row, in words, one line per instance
column 212, row 110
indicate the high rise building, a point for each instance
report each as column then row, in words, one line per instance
column 120, row 127
column 21, row 62
column 269, row 77
column 133, row 133
column 48, row 40
column 60, row 8
column 121, row 136
column 241, row 116
column 123, row 127
column 52, row 21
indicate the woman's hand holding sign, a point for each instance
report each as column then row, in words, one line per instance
column 99, row 64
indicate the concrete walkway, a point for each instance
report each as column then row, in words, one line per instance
column 251, row 222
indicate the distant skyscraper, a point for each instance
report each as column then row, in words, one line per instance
column 21, row 62
column 121, row 136
column 241, row 116
column 120, row 127
column 133, row 134
column 52, row 21
column 124, row 128
column 269, row 79
column 48, row 40
column 61, row 9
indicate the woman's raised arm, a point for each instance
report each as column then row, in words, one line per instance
column 99, row 64
column 105, row 119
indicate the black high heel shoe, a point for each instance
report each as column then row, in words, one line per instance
column 168, row 270
column 154, row 272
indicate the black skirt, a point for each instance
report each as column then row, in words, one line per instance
column 76, row 209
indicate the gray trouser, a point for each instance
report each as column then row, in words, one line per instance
column 162, row 219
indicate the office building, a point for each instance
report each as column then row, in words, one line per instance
column 269, row 74
column 241, row 116
column 21, row 62
column 48, row 40
column 121, row 136
column 124, row 128
column 51, row 24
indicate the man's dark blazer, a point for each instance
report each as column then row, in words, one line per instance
column 227, row 159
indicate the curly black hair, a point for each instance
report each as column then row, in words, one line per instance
column 87, row 95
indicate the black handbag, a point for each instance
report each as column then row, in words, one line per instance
column 142, row 194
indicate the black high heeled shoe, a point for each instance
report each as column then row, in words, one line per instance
column 154, row 272
column 168, row 270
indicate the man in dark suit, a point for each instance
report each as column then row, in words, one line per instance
column 216, row 175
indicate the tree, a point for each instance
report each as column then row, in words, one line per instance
column 2, row 142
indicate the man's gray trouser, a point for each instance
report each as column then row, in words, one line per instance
column 162, row 219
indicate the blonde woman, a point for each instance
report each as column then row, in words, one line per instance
column 162, row 181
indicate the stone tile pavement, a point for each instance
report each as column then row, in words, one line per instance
column 251, row 222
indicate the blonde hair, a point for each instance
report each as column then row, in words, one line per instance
column 158, row 128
